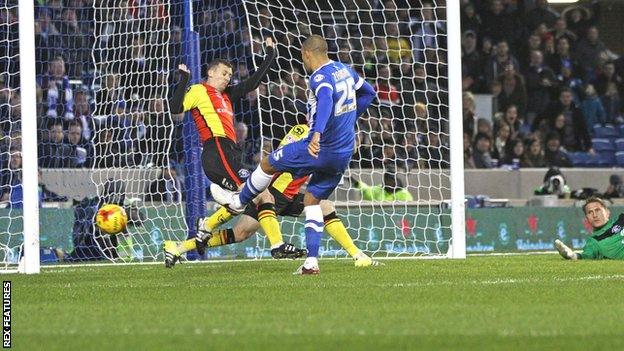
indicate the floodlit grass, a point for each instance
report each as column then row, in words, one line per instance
column 482, row 303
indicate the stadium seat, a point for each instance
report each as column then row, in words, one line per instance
column 602, row 144
column 580, row 159
column 619, row 156
column 621, row 127
column 603, row 159
column 619, row 144
column 606, row 131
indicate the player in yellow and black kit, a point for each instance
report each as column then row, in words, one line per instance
column 210, row 104
column 289, row 202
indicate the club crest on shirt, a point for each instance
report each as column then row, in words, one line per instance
column 318, row 78
column 243, row 173
column 616, row 229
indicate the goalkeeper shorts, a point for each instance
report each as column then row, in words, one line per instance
column 283, row 205
column 221, row 160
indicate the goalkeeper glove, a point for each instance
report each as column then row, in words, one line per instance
column 565, row 251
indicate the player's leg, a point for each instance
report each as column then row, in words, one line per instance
column 292, row 158
column 313, row 230
column 221, row 164
column 337, row 230
column 245, row 227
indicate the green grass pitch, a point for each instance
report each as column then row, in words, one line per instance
column 483, row 303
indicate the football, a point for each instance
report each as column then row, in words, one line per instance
column 111, row 219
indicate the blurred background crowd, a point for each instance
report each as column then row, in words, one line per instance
column 102, row 84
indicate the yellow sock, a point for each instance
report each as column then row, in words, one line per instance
column 336, row 229
column 222, row 237
column 268, row 222
column 216, row 219
column 186, row 246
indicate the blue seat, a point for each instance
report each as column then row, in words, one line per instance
column 606, row 131
column 602, row 144
column 604, row 159
column 621, row 127
column 580, row 159
column 619, row 156
column 619, row 144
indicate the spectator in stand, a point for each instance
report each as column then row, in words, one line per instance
column 48, row 41
column 468, row 112
column 81, row 147
column 592, row 108
column 503, row 135
column 524, row 56
column 484, row 126
column 498, row 64
column 468, row 157
column 426, row 32
column 579, row 18
column 542, row 13
column 514, row 90
column 576, row 133
column 534, row 157
column 499, row 24
column 563, row 59
column 82, row 113
column 399, row 49
column 514, row 152
column 612, row 104
column 387, row 93
column 560, row 30
column 472, row 71
column 589, row 51
column 57, row 91
column 607, row 76
column 554, row 155
column 434, row 154
column 76, row 43
column 53, row 153
column 481, row 151
column 470, row 19
column 541, row 85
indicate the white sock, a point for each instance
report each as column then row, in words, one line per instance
column 257, row 182
column 310, row 262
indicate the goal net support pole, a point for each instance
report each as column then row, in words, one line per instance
column 458, row 217
column 30, row 263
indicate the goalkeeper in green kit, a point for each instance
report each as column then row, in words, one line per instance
column 607, row 238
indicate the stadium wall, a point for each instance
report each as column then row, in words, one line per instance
column 496, row 183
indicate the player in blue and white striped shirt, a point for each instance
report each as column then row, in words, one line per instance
column 337, row 97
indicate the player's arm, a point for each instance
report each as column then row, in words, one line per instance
column 565, row 251
column 365, row 94
column 241, row 89
column 324, row 106
column 176, row 105
column 590, row 250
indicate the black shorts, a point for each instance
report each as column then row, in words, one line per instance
column 221, row 160
column 283, row 205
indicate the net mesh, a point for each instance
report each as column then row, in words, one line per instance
column 403, row 139
column 104, row 69
column 11, row 218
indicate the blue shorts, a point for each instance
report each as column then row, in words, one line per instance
column 326, row 170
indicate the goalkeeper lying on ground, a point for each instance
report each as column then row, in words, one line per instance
column 605, row 241
column 288, row 202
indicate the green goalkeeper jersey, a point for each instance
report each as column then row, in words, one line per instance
column 606, row 242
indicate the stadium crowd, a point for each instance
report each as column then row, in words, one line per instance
column 556, row 87
column 552, row 79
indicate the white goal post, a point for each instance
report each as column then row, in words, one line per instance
column 121, row 61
